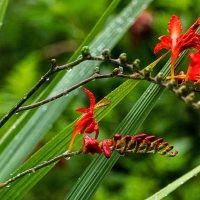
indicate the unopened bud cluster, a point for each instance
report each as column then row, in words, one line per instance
column 140, row 143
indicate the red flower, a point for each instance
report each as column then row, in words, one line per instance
column 87, row 122
column 178, row 42
column 193, row 73
column 91, row 145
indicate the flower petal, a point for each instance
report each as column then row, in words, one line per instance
column 92, row 98
column 174, row 27
column 91, row 145
column 194, row 67
column 83, row 110
column 166, row 42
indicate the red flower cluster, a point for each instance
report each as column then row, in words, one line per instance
column 87, row 122
column 140, row 143
column 177, row 42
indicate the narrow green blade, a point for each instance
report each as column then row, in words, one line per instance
column 174, row 185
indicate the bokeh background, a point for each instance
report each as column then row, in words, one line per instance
column 36, row 31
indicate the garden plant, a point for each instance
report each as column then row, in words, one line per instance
column 87, row 76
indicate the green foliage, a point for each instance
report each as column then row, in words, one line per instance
column 25, row 56
column 3, row 6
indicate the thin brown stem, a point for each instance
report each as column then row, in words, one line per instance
column 67, row 91
column 25, row 97
column 54, row 69
column 102, row 76
column 34, row 169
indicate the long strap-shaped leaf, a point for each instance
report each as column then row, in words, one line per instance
column 175, row 184
column 90, row 180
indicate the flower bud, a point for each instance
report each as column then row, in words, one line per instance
column 123, row 58
column 147, row 71
column 190, row 97
column 115, row 72
column 150, row 138
column 171, row 83
column 106, row 149
column 159, row 77
column 106, row 54
column 141, row 135
column 136, row 64
column 117, row 137
column 181, row 90
column 96, row 70
column 85, row 51
column 163, row 145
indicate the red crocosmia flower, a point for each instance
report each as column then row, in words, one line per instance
column 91, row 145
column 193, row 73
column 178, row 42
column 87, row 122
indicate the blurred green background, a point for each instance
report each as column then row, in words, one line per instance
column 36, row 31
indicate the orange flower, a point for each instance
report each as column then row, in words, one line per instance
column 178, row 42
column 193, row 73
column 87, row 122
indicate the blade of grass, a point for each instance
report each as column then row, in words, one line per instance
column 175, row 184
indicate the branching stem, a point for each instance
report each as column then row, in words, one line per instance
column 135, row 74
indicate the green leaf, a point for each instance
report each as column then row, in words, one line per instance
column 3, row 6
column 174, row 185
